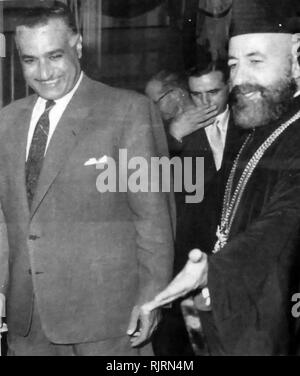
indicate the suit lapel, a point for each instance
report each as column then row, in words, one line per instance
column 229, row 136
column 63, row 141
column 197, row 143
column 198, row 146
column 208, row 155
column 18, row 141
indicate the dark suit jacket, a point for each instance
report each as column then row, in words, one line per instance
column 87, row 257
column 252, row 279
column 196, row 223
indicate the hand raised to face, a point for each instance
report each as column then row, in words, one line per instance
column 191, row 120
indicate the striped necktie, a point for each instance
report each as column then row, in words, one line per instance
column 37, row 151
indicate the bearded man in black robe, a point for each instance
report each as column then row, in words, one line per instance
column 249, row 280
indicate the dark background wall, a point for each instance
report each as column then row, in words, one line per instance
column 121, row 51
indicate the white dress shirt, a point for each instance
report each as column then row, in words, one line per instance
column 216, row 134
column 55, row 114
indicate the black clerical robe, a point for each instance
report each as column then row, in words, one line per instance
column 252, row 279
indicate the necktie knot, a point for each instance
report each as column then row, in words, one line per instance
column 50, row 104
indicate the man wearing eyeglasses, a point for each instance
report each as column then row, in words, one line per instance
column 170, row 94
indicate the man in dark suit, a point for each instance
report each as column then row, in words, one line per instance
column 204, row 130
column 199, row 128
column 250, row 280
column 83, row 258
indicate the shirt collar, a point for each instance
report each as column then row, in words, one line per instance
column 297, row 94
column 222, row 118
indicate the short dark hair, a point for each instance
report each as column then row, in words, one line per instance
column 41, row 15
column 214, row 66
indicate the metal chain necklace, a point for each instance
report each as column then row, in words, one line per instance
column 231, row 201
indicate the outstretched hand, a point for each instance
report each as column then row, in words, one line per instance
column 192, row 277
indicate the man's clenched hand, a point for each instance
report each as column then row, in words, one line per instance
column 142, row 325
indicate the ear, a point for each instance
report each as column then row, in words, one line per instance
column 296, row 55
column 16, row 37
column 76, row 41
column 79, row 47
column 17, row 43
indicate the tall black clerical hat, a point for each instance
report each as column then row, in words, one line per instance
column 264, row 16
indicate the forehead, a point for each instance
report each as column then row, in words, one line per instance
column 53, row 35
column 270, row 45
column 154, row 89
column 210, row 81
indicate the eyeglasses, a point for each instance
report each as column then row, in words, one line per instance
column 164, row 95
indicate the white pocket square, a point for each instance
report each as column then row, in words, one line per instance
column 94, row 161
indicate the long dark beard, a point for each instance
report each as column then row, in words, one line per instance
column 275, row 101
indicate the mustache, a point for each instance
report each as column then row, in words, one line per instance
column 246, row 89
column 274, row 101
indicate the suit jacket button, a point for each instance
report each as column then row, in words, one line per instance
column 33, row 237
